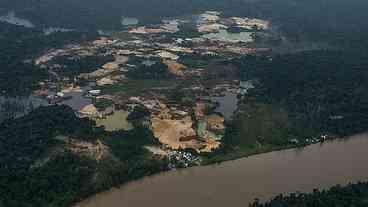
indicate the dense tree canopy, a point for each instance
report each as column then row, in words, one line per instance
column 43, row 161
column 18, row 74
column 353, row 195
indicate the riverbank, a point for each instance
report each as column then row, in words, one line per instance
column 223, row 157
column 240, row 181
column 206, row 162
column 217, row 160
column 220, row 157
column 350, row 195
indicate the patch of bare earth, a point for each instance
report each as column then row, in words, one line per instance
column 215, row 122
column 169, row 132
column 156, row 150
column 95, row 150
column 179, row 134
column 175, row 68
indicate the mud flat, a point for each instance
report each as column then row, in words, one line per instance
column 116, row 121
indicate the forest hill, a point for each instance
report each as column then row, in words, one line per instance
column 52, row 143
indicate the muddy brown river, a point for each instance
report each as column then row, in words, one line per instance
column 236, row 183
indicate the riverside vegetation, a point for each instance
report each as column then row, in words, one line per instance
column 352, row 195
column 50, row 157
column 34, row 157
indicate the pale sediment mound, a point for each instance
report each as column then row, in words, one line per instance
column 215, row 122
column 210, row 145
column 93, row 150
column 105, row 81
column 156, row 150
column 71, row 89
column 111, row 66
column 175, row 68
column 167, row 55
column 211, row 28
column 179, row 134
column 89, row 110
column 169, row 132
column 106, row 69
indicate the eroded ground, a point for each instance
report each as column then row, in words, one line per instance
column 178, row 72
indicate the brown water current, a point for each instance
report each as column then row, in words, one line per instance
column 238, row 182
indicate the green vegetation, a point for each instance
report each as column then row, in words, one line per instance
column 261, row 125
column 257, row 128
column 157, row 70
column 197, row 61
column 187, row 30
column 236, row 29
column 38, row 169
column 102, row 104
column 135, row 87
column 353, row 195
column 322, row 90
column 73, row 66
column 18, row 75
column 139, row 112
column 298, row 97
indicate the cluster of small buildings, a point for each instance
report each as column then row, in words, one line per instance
column 173, row 124
column 313, row 140
column 182, row 159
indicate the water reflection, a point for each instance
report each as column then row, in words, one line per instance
column 227, row 104
column 77, row 99
column 128, row 21
column 225, row 36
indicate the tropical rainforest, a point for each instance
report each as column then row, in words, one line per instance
column 50, row 157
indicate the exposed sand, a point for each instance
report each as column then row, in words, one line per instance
column 169, row 132
column 236, row 183
column 180, row 134
column 210, row 145
column 215, row 122
column 175, row 68
column 156, row 150
column 89, row 110
column 105, row 81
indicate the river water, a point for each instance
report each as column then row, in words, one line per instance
column 236, row 183
column 227, row 104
